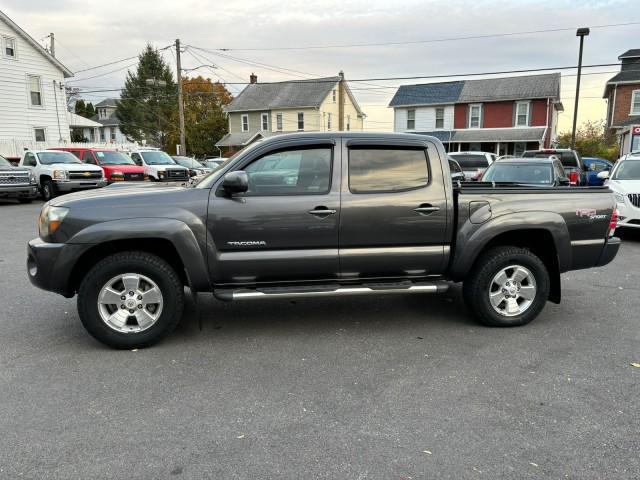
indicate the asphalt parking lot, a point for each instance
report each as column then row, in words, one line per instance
column 390, row 387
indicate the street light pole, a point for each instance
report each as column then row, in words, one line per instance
column 582, row 32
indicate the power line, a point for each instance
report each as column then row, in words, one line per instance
column 103, row 74
column 116, row 61
column 432, row 40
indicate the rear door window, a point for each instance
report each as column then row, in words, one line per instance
column 471, row 162
column 380, row 170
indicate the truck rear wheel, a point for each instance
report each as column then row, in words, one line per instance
column 131, row 300
column 508, row 287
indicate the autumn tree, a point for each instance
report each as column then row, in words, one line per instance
column 204, row 117
column 592, row 140
column 148, row 100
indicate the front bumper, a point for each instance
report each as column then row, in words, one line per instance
column 609, row 251
column 23, row 191
column 74, row 185
column 629, row 216
column 49, row 265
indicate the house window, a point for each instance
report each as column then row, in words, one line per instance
column 300, row 120
column 475, row 114
column 10, row 47
column 40, row 134
column 522, row 114
column 334, row 95
column 279, row 122
column 328, row 121
column 245, row 122
column 519, row 148
column 348, row 122
column 265, row 122
column 411, row 119
column 35, row 91
column 113, row 134
column 439, row 118
column 635, row 103
column 102, row 134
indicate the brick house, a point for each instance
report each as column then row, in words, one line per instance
column 315, row 105
column 622, row 93
column 498, row 115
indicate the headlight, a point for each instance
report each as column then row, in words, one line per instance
column 117, row 174
column 32, row 178
column 60, row 175
column 50, row 219
column 619, row 197
column 161, row 174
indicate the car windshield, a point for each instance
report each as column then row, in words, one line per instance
column 568, row 159
column 511, row 172
column 157, row 158
column 109, row 157
column 628, row 170
column 471, row 162
column 49, row 158
column 4, row 162
column 187, row 162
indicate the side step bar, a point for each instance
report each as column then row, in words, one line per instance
column 328, row 291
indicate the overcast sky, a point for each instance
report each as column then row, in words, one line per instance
column 90, row 33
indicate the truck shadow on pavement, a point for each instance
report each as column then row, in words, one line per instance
column 318, row 316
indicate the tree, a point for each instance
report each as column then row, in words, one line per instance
column 89, row 110
column 148, row 100
column 80, row 108
column 204, row 117
column 592, row 140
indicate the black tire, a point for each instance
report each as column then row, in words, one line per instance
column 49, row 190
column 25, row 200
column 477, row 286
column 149, row 265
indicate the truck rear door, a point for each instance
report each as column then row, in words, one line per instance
column 393, row 220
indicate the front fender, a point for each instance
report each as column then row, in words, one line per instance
column 472, row 239
column 181, row 236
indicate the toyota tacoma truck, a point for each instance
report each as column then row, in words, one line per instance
column 16, row 182
column 317, row 214
column 61, row 172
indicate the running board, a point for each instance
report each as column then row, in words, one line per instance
column 328, row 291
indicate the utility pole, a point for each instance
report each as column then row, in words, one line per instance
column 582, row 32
column 183, row 146
column 52, row 48
column 341, row 101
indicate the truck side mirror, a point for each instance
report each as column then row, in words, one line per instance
column 604, row 174
column 235, row 182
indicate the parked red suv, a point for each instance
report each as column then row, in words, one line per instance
column 117, row 166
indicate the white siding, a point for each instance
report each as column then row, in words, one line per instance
column 425, row 119
column 17, row 117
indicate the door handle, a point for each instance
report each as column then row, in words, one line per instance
column 426, row 209
column 322, row 211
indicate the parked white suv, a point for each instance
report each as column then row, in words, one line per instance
column 159, row 166
column 473, row 164
column 624, row 181
column 61, row 172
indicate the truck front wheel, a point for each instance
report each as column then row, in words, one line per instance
column 130, row 300
column 507, row 287
column 49, row 190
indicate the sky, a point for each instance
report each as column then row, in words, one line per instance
column 90, row 33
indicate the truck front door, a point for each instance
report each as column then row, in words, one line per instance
column 285, row 227
column 394, row 211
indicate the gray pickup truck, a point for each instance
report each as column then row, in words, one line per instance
column 316, row 214
column 17, row 182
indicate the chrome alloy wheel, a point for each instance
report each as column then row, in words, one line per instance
column 512, row 290
column 130, row 303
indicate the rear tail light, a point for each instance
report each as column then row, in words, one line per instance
column 573, row 178
column 613, row 223
column 479, row 173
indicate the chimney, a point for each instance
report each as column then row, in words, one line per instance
column 253, row 78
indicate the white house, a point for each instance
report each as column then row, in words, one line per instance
column 32, row 97
column 109, row 132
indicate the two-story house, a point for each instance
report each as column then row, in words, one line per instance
column 263, row 109
column 622, row 93
column 106, row 116
column 32, row 96
column 499, row 115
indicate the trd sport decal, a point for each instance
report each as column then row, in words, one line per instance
column 590, row 213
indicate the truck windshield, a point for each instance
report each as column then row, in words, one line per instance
column 4, row 162
column 109, row 157
column 628, row 170
column 568, row 159
column 470, row 162
column 157, row 158
column 511, row 172
column 49, row 158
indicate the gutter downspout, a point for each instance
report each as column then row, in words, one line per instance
column 55, row 97
column 613, row 109
column 546, row 121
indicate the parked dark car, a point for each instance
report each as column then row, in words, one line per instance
column 594, row 166
column 547, row 172
column 195, row 167
column 316, row 214
column 570, row 159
